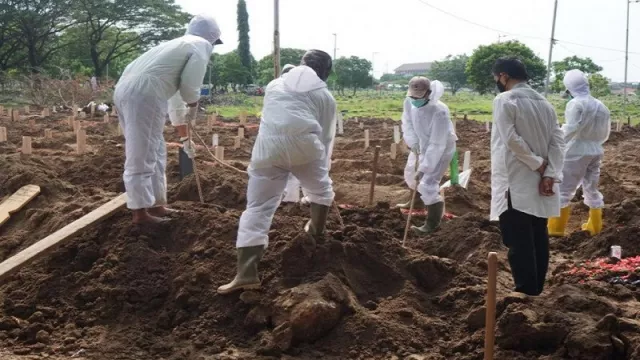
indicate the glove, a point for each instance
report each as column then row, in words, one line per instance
column 416, row 148
column 189, row 147
column 192, row 115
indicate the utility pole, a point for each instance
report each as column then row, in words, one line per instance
column 626, row 60
column 551, row 43
column 373, row 69
column 276, row 37
column 335, row 45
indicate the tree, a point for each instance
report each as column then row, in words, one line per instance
column 481, row 61
column 243, row 40
column 265, row 68
column 560, row 68
column 352, row 72
column 451, row 70
column 110, row 30
column 228, row 70
column 11, row 52
column 599, row 85
column 39, row 24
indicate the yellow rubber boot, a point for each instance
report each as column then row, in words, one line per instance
column 594, row 225
column 558, row 225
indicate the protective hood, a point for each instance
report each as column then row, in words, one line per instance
column 303, row 79
column 205, row 27
column 577, row 83
column 437, row 90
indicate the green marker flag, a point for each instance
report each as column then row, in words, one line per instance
column 453, row 169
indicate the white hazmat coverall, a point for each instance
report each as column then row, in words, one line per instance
column 429, row 126
column 587, row 126
column 297, row 125
column 141, row 96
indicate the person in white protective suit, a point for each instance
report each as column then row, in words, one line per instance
column 297, row 125
column 587, row 126
column 176, row 67
column 527, row 150
column 428, row 132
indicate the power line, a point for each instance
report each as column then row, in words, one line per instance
column 518, row 35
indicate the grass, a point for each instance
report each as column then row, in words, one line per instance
column 388, row 105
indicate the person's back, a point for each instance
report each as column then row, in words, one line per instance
column 297, row 117
column 159, row 69
column 587, row 127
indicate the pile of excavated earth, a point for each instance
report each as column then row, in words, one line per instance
column 119, row 291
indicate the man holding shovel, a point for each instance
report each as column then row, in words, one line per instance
column 428, row 131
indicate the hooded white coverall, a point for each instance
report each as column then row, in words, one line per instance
column 429, row 126
column 176, row 67
column 297, row 126
column 587, row 126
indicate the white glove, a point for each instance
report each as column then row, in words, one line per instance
column 416, row 148
column 192, row 115
column 189, row 147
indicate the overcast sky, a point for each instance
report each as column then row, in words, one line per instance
column 403, row 31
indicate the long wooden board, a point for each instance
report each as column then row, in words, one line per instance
column 17, row 201
column 51, row 242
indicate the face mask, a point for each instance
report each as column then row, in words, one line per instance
column 501, row 88
column 419, row 102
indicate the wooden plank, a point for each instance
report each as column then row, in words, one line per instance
column 17, row 201
column 51, row 242
column 26, row 145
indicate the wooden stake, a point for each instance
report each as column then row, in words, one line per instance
column 27, row 110
column 1, row 110
column 366, row 139
column 26, row 145
column 243, row 117
column 53, row 109
column 43, row 114
column 210, row 121
column 3, row 134
column 81, row 141
column 12, row 113
column 619, row 125
column 394, row 151
column 487, row 126
column 454, row 121
column 236, row 142
column 490, row 312
column 93, row 109
column 70, row 121
column 361, row 125
column 119, row 129
column 32, row 123
column 114, row 111
column 220, row 153
column 47, row 112
column 214, row 140
column 241, row 132
column 466, row 164
column 106, row 118
column 48, row 134
column 396, row 134
column 51, row 242
column 76, row 126
column 374, row 173
column 340, row 124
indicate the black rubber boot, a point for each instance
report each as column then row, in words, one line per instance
column 434, row 217
column 247, row 273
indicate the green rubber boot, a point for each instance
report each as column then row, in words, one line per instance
column 434, row 217
column 316, row 225
column 247, row 275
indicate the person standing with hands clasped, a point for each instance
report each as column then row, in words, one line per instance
column 527, row 152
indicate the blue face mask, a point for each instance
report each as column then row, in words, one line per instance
column 419, row 102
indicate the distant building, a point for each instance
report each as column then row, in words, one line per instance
column 413, row 69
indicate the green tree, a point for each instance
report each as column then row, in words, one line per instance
column 243, row 40
column 12, row 53
column 481, row 61
column 391, row 78
column 230, row 71
column 265, row 68
column 352, row 72
column 559, row 68
column 599, row 85
column 38, row 25
column 451, row 71
column 110, row 29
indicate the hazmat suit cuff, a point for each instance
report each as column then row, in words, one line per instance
column 534, row 162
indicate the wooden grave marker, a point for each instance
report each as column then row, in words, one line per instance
column 3, row 134
column 48, row 133
column 394, row 151
column 26, row 145
column 81, row 141
column 366, row 139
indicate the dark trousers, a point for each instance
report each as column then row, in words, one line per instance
column 527, row 238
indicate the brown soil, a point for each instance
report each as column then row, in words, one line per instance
column 119, row 291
